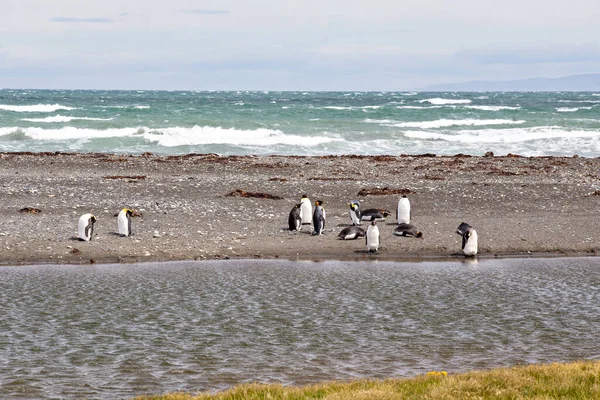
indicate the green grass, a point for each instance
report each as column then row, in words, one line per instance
column 578, row 380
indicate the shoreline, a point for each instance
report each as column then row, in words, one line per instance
column 521, row 206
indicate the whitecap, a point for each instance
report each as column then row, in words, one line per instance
column 418, row 107
column 444, row 123
column 440, row 101
column 60, row 118
column 35, row 108
column 492, row 108
column 202, row 135
column 176, row 136
column 572, row 109
column 503, row 136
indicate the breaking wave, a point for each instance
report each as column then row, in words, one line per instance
column 440, row 101
column 492, row 108
column 443, row 123
column 175, row 136
column 35, row 108
column 60, row 118
column 503, row 135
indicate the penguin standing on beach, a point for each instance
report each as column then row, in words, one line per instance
column 355, row 212
column 351, row 233
column 124, row 221
column 86, row 227
column 403, row 210
column 372, row 237
column 295, row 220
column 469, row 239
column 306, row 210
column 319, row 218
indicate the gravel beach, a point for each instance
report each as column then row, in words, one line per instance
column 520, row 206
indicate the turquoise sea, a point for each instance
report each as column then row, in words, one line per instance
column 300, row 123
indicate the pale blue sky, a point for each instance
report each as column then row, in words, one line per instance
column 292, row 45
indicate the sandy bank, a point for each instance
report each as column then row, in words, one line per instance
column 520, row 206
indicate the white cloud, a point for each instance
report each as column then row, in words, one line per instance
column 334, row 42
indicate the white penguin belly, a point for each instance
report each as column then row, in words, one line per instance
column 306, row 212
column 123, row 224
column 403, row 211
column 471, row 245
column 372, row 238
column 83, row 223
column 354, row 217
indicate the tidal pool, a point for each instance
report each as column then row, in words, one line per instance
column 116, row 331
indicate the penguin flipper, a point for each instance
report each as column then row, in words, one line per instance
column 464, row 241
column 129, row 226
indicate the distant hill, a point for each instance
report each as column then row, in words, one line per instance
column 574, row 83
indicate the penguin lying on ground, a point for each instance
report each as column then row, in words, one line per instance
column 124, row 221
column 378, row 213
column 319, row 217
column 351, row 232
column 408, row 230
column 372, row 237
column 306, row 211
column 295, row 220
column 86, row 227
column 469, row 239
column 355, row 212
column 403, row 211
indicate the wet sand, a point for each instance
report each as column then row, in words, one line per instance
column 520, row 206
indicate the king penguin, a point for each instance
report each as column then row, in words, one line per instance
column 351, row 232
column 372, row 237
column 469, row 239
column 86, row 227
column 306, row 210
column 379, row 214
column 124, row 220
column 295, row 220
column 408, row 230
column 355, row 212
column 319, row 218
column 403, row 210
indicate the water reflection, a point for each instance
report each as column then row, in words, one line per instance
column 109, row 331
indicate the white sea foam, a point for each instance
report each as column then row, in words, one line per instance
column 60, row 118
column 379, row 121
column 346, row 108
column 418, row 107
column 572, row 109
column 337, row 108
column 579, row 101
column 35, row 108
column 200, row 135
column 142, row 107
column 503, row 136
column 440, row 101
column 175, row 136
column 492, row 108
column 443, row 123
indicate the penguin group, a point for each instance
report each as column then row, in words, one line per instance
column 405, row 228
column 85, row 231
column 303, row 213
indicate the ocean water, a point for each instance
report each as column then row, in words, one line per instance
column 300, row 123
